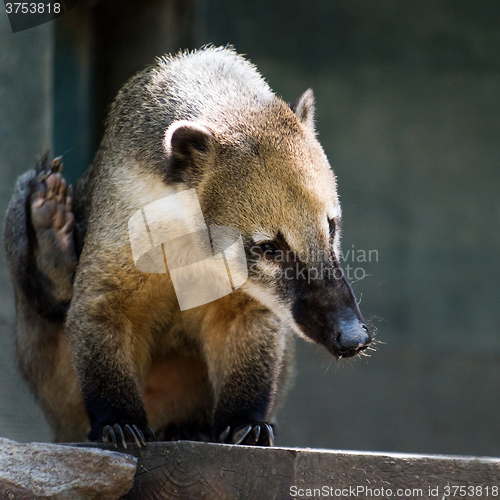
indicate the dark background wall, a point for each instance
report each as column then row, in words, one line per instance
column 408, row 111
column 26, row 102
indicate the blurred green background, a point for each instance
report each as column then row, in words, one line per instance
column 408, row 112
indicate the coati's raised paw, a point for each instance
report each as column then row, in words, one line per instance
column 119, row 435
column 257, row 434
column 51, row 215
column 53, row 223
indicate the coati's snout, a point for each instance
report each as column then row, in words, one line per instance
column 343, row 333
column 327, row 312
column 350, row 335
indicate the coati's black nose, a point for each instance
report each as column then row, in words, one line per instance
column 349, row 337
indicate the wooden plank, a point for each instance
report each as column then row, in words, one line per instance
column 188, row 470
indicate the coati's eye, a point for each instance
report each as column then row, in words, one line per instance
column 332, row 225
column 269, row 249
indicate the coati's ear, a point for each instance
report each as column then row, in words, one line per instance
column 303, row 108
column 189, row 146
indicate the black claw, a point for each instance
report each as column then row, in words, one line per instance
column 132, row 434
column 108, row 435
column 260, row 434
column 253, row 437
column 57, row 165
column 257, row 432
column 269, row 441
column 119, row 431
column 139, row 436
column 119, row 435
column 223, row 436
column 240, row 435
column 149, row 435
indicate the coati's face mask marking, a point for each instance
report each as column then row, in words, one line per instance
column 294, row 269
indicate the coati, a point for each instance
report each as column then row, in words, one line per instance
column 105, row 347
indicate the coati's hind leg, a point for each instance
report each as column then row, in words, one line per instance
column 38, row 236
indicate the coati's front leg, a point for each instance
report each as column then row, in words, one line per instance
column 241, row 415
column 107, row 360
column 245, row 361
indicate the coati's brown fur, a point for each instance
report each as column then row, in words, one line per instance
column 203, row 120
